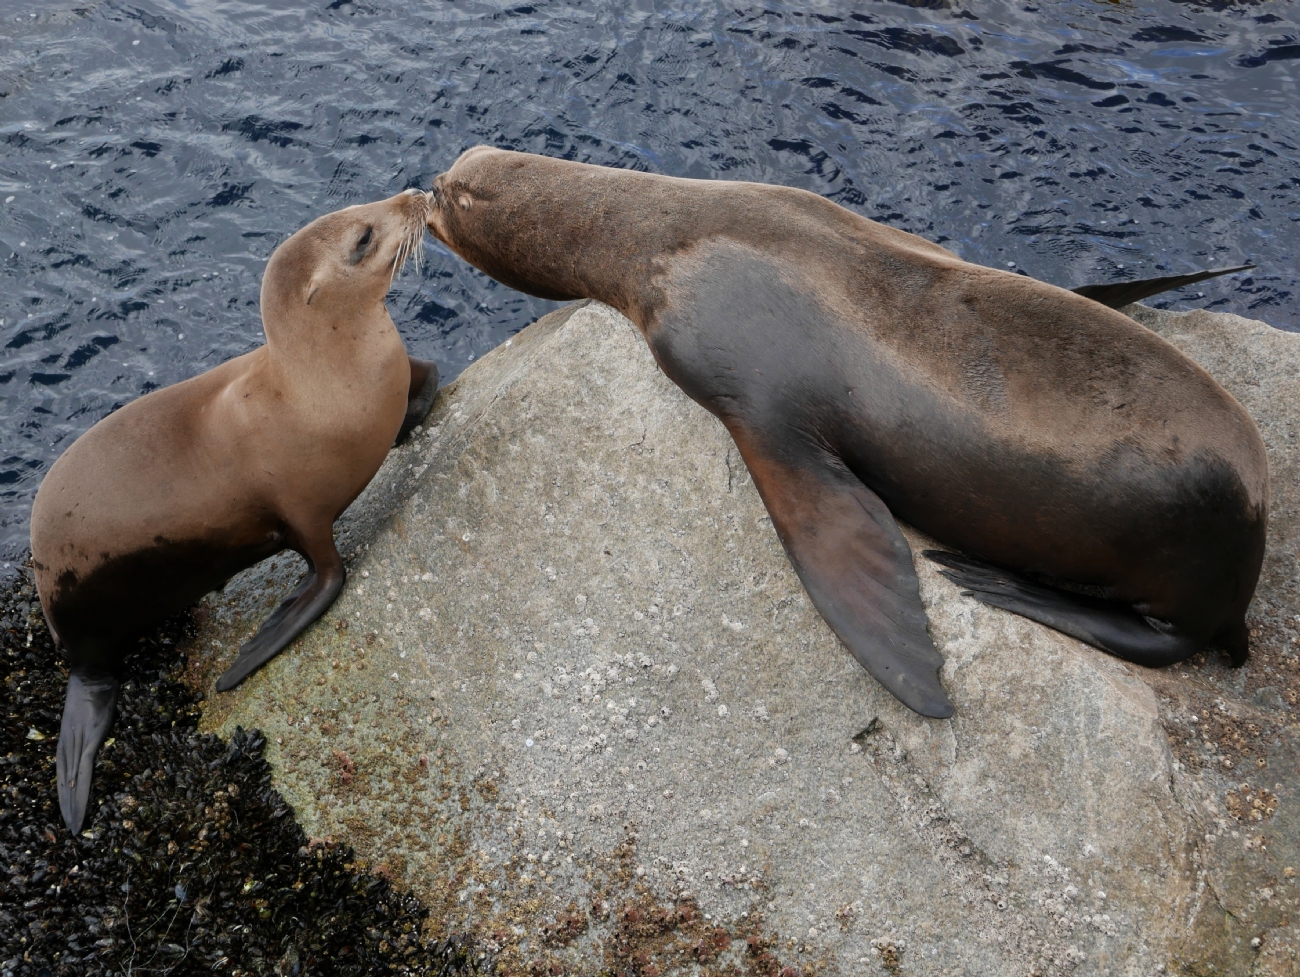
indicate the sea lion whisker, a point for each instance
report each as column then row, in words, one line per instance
column 397, row 262
column 405, row 248
column 408, row 246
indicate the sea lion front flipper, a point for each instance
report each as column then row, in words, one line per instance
column 424, row 388
column 87, row 715
column 1110, row 625
column 309, row 600
column 1116, row 294
column 856, row 566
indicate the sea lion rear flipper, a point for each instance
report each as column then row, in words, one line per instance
column 1110, row 625
column 857, row 568
column 424, row 388
column 309, row 600
column 87, row 716
column 1115, row 294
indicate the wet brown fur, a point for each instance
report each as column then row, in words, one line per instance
column 1024, row 424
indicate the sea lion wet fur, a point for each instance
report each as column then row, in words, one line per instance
column 868, row 375
column 170, row 496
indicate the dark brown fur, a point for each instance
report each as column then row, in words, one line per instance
column 1030, row 427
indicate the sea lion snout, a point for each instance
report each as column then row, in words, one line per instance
column 437, row 200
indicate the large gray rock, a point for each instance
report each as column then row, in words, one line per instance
column 576, row 698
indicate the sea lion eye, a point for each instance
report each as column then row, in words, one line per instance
column 363, row 242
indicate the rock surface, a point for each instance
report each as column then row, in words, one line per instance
column 576, row 698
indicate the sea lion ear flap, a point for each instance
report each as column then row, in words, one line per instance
column 313, row 286
column 856, row 566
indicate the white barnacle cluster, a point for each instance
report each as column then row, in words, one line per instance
column 405, row 596
column 602, row 676
column 535, row 840
column 1065, row 905
column 601, row 713
column 683, row 875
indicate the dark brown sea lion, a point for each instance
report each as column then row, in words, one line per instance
column 167, row 498
column 867, row 374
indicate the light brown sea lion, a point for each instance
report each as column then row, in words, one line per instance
column 167, row 498
column 867, row 374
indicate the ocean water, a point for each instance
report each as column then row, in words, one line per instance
column 156, row 152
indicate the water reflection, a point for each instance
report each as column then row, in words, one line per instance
column 156, row 152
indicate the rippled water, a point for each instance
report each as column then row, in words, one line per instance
column 155, row 153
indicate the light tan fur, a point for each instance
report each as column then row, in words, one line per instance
column 170, row 496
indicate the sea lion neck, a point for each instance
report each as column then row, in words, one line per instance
column 330, row 339
column 342, row 332
column 570, row 221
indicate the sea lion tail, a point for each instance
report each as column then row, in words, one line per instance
column 1110, row 625
column 87, row 715
column 1116, row 294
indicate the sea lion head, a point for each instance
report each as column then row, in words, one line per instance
column 477, row 177
column 345, row 262
column 516, row 216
